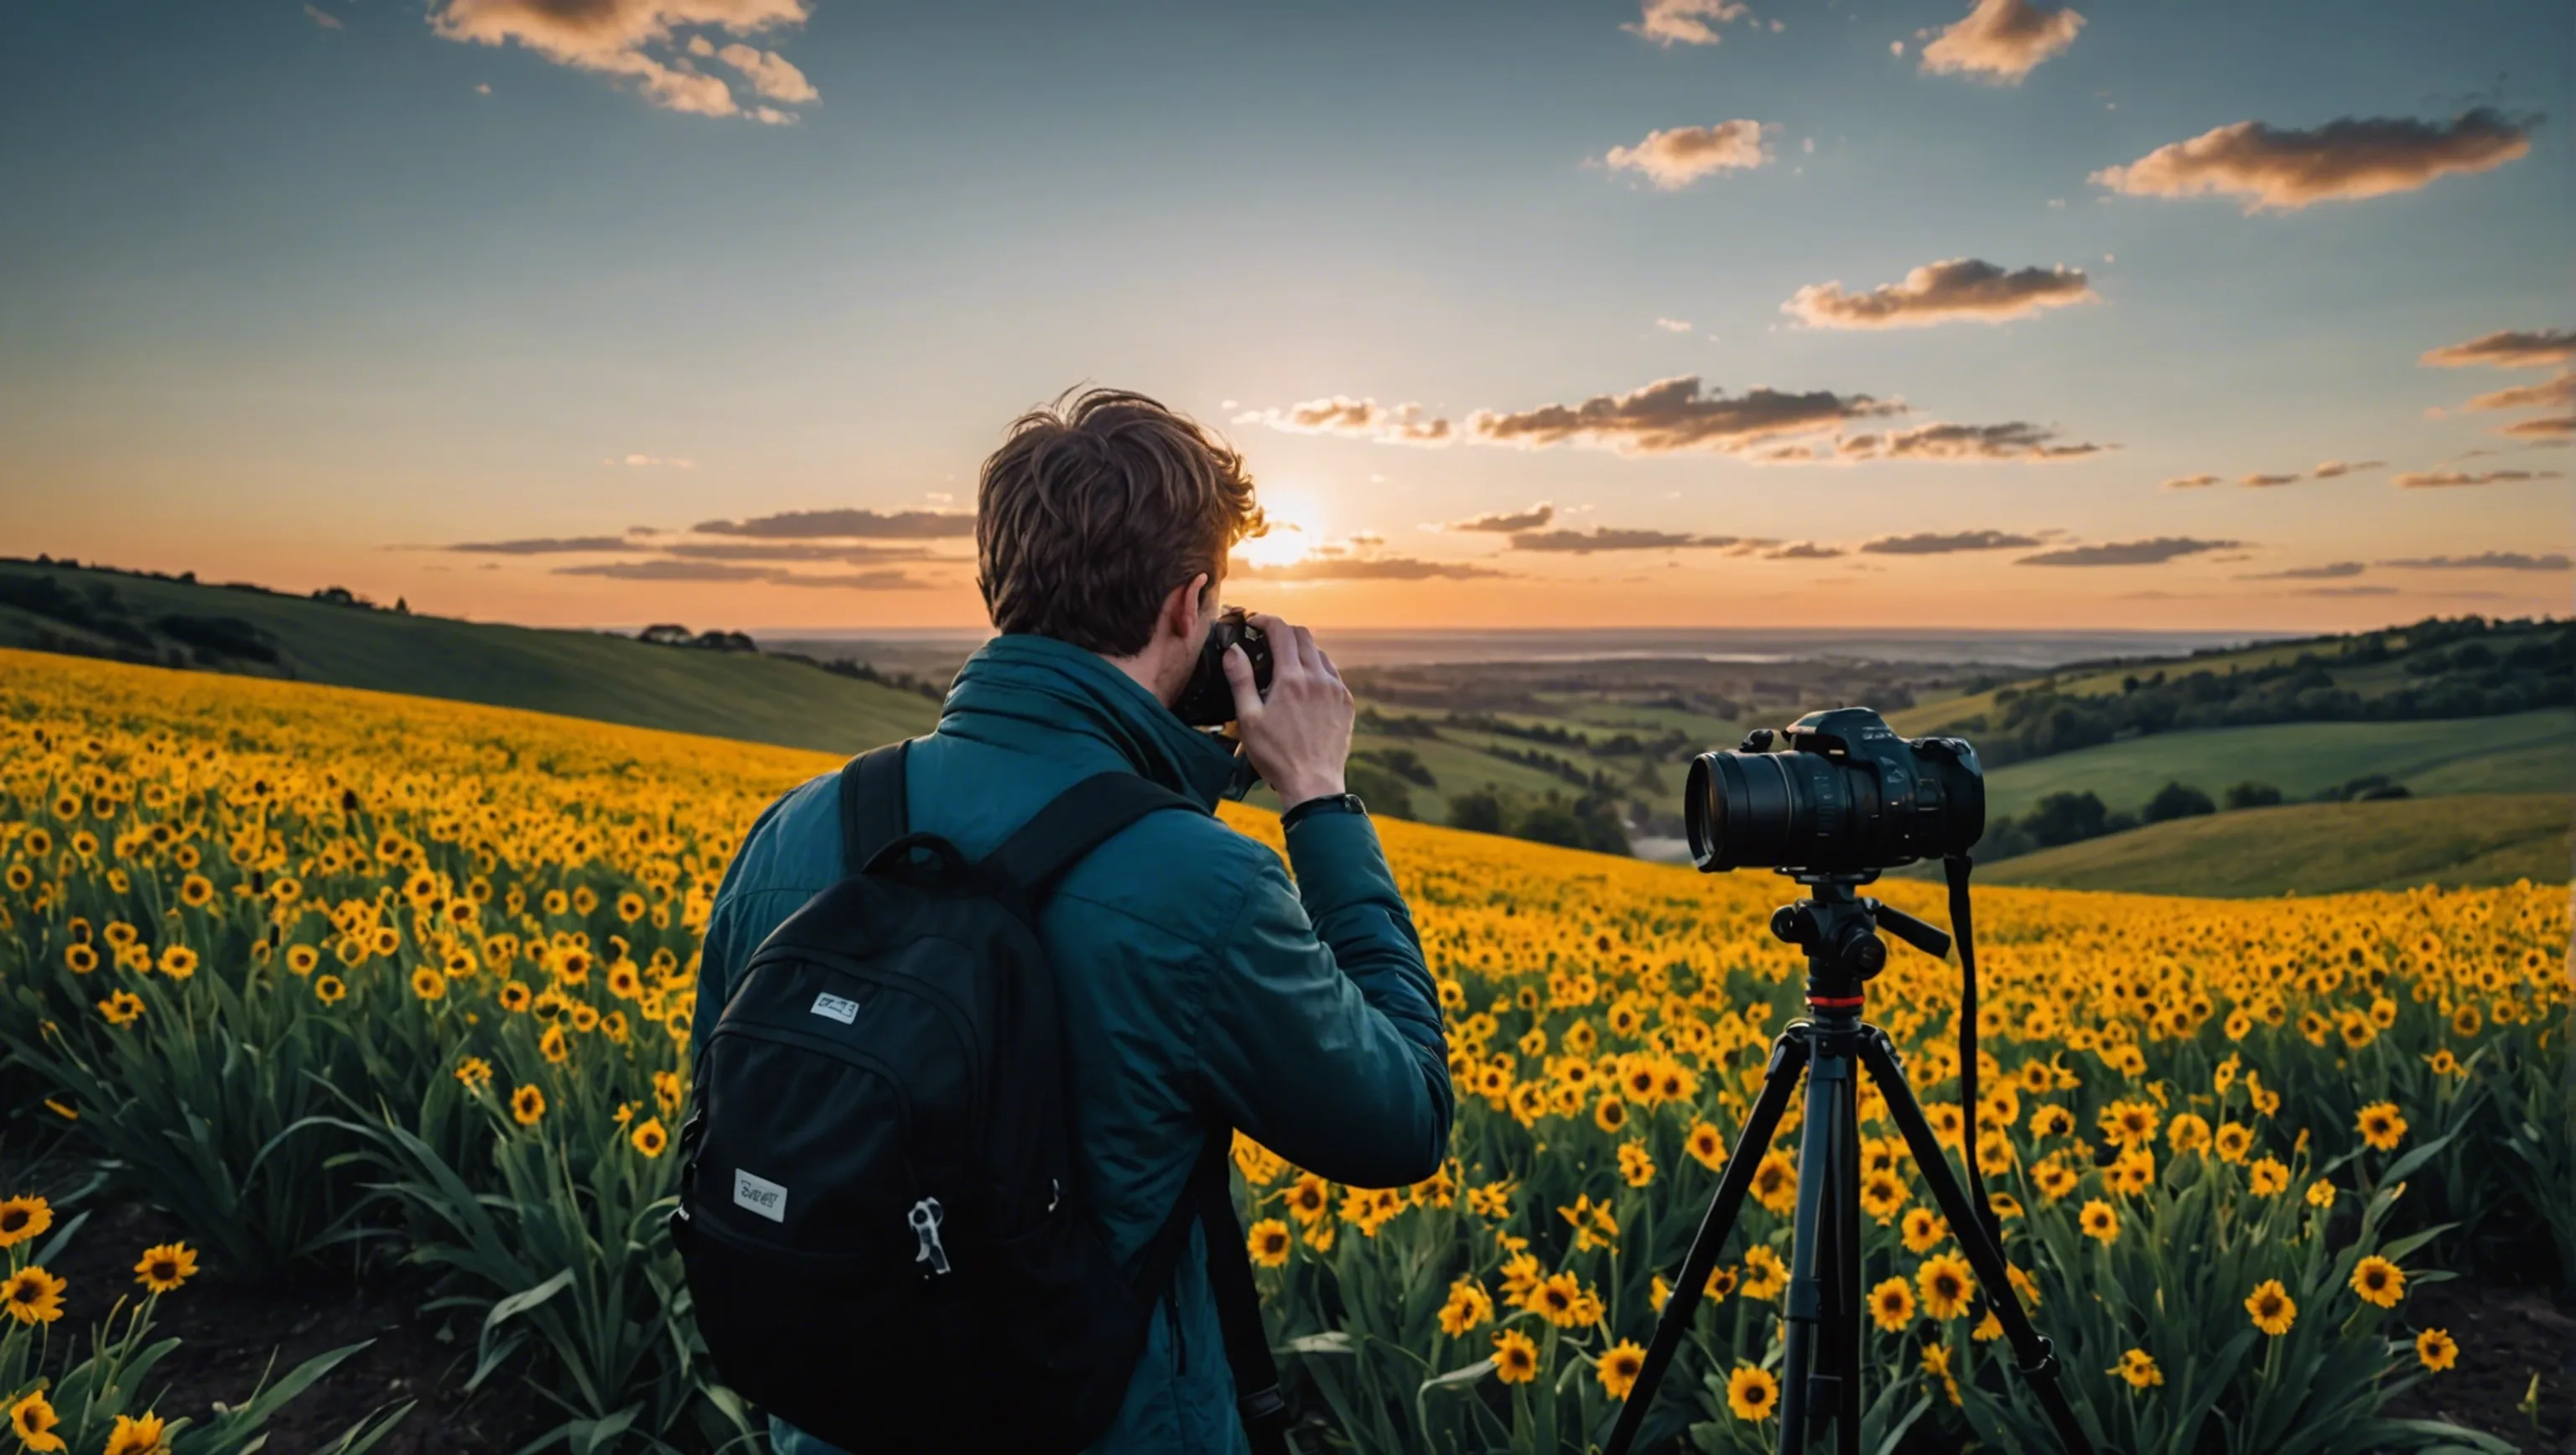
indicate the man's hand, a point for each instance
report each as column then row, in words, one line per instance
column 1300, row 737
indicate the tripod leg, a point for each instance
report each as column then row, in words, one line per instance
column 1853, row 1334
column 1985, row 1254
column 1811, row 1362
column 1788, row 1057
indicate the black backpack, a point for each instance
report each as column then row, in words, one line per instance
column 878, row 1218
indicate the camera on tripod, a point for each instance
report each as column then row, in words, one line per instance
column 1832, row 802
column 1839, row 793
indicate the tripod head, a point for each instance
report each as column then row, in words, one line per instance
column 1839, row 930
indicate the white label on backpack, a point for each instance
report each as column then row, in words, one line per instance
column 833, row 1007
column 760, row 1195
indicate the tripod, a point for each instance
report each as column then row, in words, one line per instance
column 1820, row 1363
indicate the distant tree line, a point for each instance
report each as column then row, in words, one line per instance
column 672, row 634
column 2457, row 672
column 2070, row 818
column 172, row 639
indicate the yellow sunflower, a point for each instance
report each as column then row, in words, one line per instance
column 164, row 1266
column 2272, row 1308
column 1752, row 1394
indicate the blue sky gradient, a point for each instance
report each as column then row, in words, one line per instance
column 283, row 300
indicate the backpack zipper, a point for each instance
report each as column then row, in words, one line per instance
column 924, row 1219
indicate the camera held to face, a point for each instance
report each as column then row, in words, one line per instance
column 1847, row 797
column 1208, row 700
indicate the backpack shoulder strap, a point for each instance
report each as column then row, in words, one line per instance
column 874, row 811
column 1207, row 1200
column 1074, row 823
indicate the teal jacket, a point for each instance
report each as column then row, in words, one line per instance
column 1199, row 988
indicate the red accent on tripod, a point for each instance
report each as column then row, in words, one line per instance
column 1835, row 1002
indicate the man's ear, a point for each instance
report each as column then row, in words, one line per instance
column 1183, row 609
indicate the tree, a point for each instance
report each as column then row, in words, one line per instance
column 666, row 634
column 2177, row 800
column 1386, row 795
column 2065, row 818
column 2251, row 794
column 1480, row 812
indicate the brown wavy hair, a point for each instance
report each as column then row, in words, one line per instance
column 1094, row 508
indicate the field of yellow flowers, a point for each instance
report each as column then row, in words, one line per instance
column 306, row 966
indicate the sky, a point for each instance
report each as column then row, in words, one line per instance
column 2210, row 314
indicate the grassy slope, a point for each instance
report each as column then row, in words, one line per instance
column 2319, row 848
column 2527, row 752
column 2371, row 681
column 578, row 674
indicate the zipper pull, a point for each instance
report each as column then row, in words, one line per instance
column 924, row 1219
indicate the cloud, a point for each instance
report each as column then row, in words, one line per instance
column 856, row 581
column 1401, row 424
column 2284, row 169
column 846, row 554
column 909, row 525
column 2507, row 349
column 647, row 461
column 2364, row 590
column 2442, row 479
column 1505, row 524
column 1363, row 568
column 2488, row 561
column 2191, row 482
column 1684, row 22
column 1936, row 543
column 1605, row 538
column 2013, row 441
column 1803, row 551
column 622, row 38
column 2127, row 553
column 769, row 73
column 1673, row 325
column 1672, row 415
column 1676, row 158
column 543, row 546
column 2330, row 469
column 669, row 570
column 2001, row 41
column 2331, row 571
column 1942, row 292
column 2260, row 482
column 2557, row 393
column 324, row 18
column 2549, row 426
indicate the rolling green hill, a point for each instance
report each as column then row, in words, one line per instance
column 2319, row 848
column 2524, row 752
column 579, row 674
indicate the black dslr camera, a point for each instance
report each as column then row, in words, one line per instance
column 1208, row 700
column 1846, row 797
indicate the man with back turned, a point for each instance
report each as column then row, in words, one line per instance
column 1199, row 990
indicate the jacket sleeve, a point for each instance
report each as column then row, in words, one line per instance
column 1321, row 1035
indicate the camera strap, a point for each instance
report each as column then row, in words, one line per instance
column 1963, row 931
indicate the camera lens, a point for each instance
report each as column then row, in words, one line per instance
column 1848, row 796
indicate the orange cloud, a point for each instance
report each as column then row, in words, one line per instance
column 1401, row 424
column 1672, row 415
column 1607, row 538
column 620, row 38
column 1676, row 158
column 1952, row 289
column 1933, row 543
column 2191, row 482
column 2285, row 169
column 2015, row 440
column 2127, row 553
column 2553, row 394
column 2506, row 349
column 2444, row 479
column 845, row 524
column 1508, row 522
column 2001, row 41
column 1684, row 22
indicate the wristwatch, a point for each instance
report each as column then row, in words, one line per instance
column 1329, row 803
